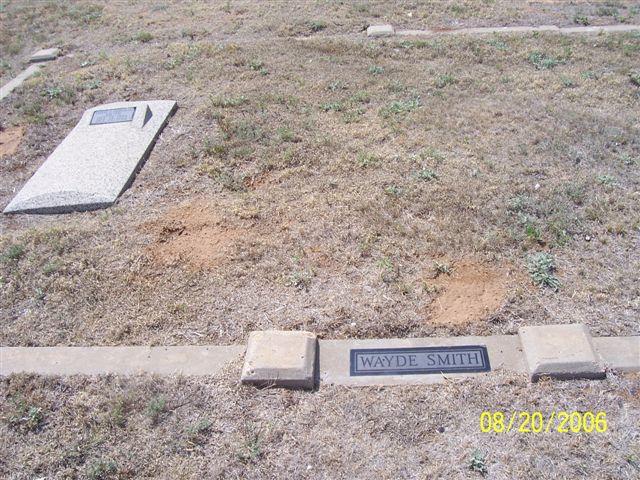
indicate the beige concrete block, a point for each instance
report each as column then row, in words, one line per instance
column 45, row 55
column 380, row 31
column 560, row 351
column 281, row 359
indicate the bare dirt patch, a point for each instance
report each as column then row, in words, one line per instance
column 196, row 235
column 471, row 293
column 10, row 139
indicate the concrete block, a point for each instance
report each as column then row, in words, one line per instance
column 281, row 359
column 380, row 31
column 560, row 351
column 97, row 161
column 45, row 55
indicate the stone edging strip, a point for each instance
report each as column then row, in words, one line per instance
column 388, row 30
column 19, row 80
column 298, row 360
column 186, row 360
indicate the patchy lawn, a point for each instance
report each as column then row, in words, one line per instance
column 314, row 179
column 146, row 427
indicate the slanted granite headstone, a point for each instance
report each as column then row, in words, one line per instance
column 97, row 161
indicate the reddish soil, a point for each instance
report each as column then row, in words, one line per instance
column 196, row 235
column 470, row 294
column 10, row 139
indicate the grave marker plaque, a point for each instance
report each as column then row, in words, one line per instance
column 419, row 360
column 113, row 115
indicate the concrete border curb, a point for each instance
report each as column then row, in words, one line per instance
column 297, row 360
column 387, row 30
column 19, row 80
column 186, row 360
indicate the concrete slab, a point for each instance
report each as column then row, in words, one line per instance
column 45, row 55
column 19, row 80
column 205, row 360
column 380, row 31
column 564, row 352
column 521, row 29
column 619, row 353
column 280, row 359
column 97, row 161
column 504, row 352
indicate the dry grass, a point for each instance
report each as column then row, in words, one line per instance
column 335, row 172
column 145, row 427
column 314, row 179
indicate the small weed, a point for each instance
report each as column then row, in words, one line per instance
column 499, row 45
column 567, row 82
column 581, row 20
column 517, row 204
column 101, row 469
column 478, row 463
column 532, row 231
column 360, row 96
column 15, row 252
column 177, row 308
column 427, row 175
column 196, row 433
column 390, row 272
column 393, row 190
column 92, row 85
column 367, row 159
column 258, row 66
column 607, row 11
column 227, row 102
column 628, row 160
column 407, row 44
column 542, row 61
column 317, row 25
column 375, row 70
column 576, row 193
column 332, row 107
column 400, row 107
column 155, row 408
column 286, row 134
column 51, row 267
column 635, row 79
column 541, row 266
column 144, row 37
column 211, row 148
column 336, row 86
column 25, row 417
column 117, row 414
column 300, row 280
column 251, row 448
column 59, row 93
column 442, row 268
column 606, row 180
column 444, row 80
column 431, row 153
